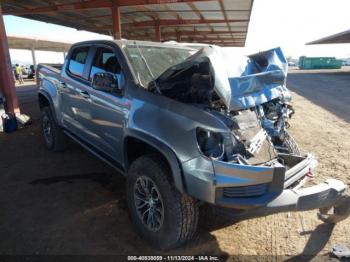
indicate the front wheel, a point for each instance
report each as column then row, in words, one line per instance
column 161, row 214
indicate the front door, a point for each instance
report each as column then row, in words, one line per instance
column 106, row 111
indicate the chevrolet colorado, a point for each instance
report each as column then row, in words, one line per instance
column 185, row 127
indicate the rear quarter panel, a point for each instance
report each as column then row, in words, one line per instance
column 48, row 80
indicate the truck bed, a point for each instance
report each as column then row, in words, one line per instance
column 52, row 71
column 51, row 67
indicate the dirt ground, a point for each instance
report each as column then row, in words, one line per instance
column 72, row 203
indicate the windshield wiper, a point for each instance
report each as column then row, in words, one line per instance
column 148, row 68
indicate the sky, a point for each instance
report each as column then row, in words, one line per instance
column 285, row 23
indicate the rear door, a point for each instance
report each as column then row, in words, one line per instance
column 74, row 78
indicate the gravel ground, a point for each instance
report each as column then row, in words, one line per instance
column 73, row 203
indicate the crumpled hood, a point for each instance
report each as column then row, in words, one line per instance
column 260, row 79
column 243, row 81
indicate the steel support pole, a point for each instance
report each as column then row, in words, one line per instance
column 178, row 37
column 7, row 84
column 158, row 34
column 117, row 30
column 33, row 56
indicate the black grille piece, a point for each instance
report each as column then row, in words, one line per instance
column 245, row 191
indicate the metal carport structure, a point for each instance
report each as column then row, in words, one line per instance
column 339, row 38
column 221, row 22
column 33, row 44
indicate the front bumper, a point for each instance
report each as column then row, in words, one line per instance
column 322, row 195
column 263, row 189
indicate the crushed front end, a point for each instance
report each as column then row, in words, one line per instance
column 254, row 165
column 249, row 173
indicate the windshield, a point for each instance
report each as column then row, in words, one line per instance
column 157, row 59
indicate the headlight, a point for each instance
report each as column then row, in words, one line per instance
column 210, row 143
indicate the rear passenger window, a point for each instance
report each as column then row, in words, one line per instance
column 78, row 60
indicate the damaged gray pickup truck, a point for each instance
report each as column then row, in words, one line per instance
column 185, row 127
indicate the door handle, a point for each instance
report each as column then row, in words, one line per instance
column 84, row 94
column 63, row 85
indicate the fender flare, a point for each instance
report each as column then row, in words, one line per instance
column 169, row 154
column 51, row 104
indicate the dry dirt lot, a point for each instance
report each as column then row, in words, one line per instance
column 72, row 203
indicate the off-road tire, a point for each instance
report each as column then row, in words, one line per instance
column 180, row 210
column 291, row 145
column 286, row 145
column 56, row 139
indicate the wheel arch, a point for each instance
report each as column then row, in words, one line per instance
column 150, row 144
column 45, row 100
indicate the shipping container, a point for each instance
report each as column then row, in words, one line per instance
column 319, row 63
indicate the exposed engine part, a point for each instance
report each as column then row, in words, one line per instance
column 246, row 125
column 192, row 84
column 257, row 144
column 201, row 91
column 274, row 116
column 251, row 143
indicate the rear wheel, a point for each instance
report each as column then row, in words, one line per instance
column 161, row 214
column 54, row 137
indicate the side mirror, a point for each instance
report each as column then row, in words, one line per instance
column 106, row 82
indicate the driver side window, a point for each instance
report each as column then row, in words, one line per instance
column 106, row 61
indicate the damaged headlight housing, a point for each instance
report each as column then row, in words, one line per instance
column 210, row 143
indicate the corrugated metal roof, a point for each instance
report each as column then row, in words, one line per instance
column 340, row 38
column 28, row 43
column 222, row 22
